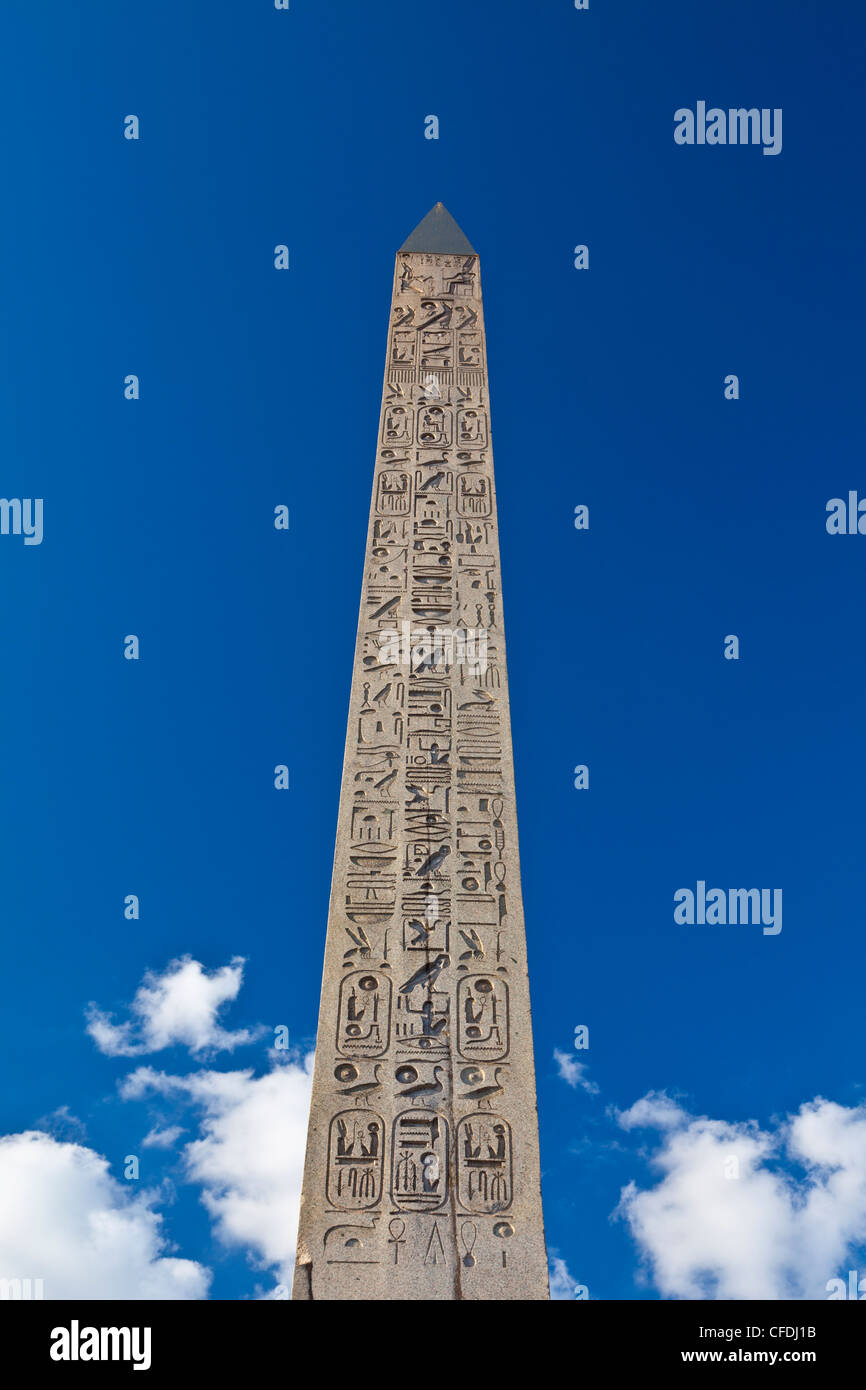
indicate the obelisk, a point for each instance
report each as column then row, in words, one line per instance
column 422, row 1170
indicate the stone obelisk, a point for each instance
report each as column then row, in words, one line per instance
column 422, row 1170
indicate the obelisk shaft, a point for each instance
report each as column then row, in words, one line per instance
column 422, row 1168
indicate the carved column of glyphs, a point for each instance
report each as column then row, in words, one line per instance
column 422, row 1170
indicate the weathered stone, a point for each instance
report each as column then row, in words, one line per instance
column 422, row 1170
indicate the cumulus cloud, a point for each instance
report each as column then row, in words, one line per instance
column 64, row 1219
column 741, row 1212
column 655, row 1110
column 573, row 1072
column 250, row 1153
column 62, row 1124
column 562, row 1285
column 157, row 1138
column 179, row 1006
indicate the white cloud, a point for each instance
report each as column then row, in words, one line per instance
column 179, row 1006
column 572, row 1071
column 64, row 1219
column 249, row 1158
column 62, row 1124
column 166, row 1138
column 726, row 1219
column 562, row 1285
column 655, row 1110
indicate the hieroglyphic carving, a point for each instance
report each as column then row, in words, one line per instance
column 482, row 1012
column 355, row 1159
column 419, row 1161
column 364, row 1015
column 426, row 925
column 484, row 1163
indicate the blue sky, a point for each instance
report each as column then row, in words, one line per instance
column 707, row 517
